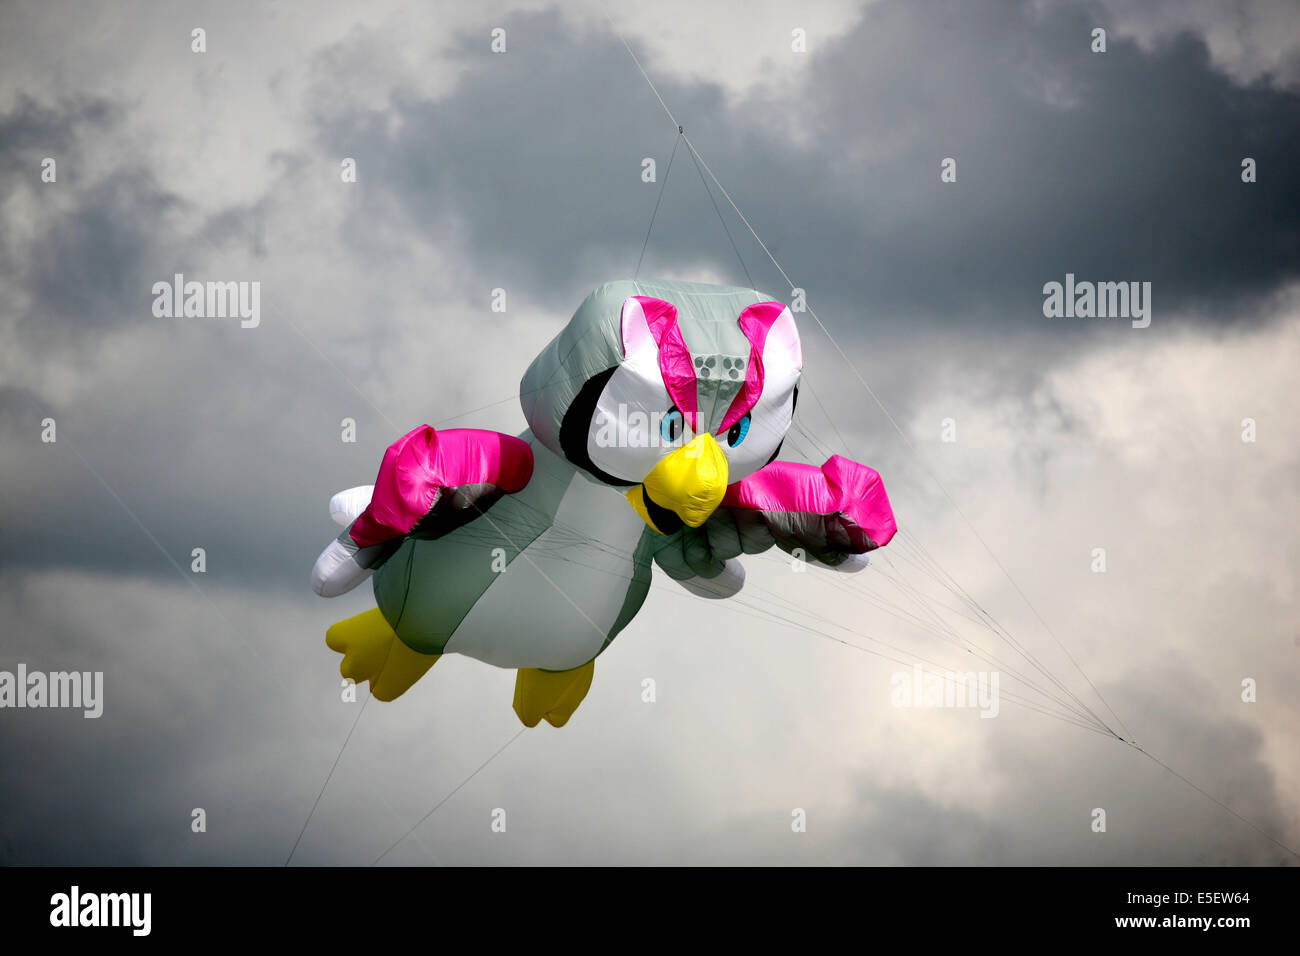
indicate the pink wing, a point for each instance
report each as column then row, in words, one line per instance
column 837, row 509
column 432, row 482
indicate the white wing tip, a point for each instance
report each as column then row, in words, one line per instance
column 348, row 504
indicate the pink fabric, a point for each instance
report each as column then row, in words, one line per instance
column 754, row 322
column 423, row 462
column 841, row 486
column 674, row 357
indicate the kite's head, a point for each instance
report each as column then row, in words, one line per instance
column 675, row 394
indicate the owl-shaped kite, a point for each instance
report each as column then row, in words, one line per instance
column 655, row 420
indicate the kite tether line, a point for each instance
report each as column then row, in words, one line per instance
column 662, row 188
column 1127, row 737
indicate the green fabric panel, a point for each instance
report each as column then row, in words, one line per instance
column 725, row 540
column 688, row 553
column 638, row 587
column 425, row 590
column 668, row 554
column 729, row 533
column 699, row 556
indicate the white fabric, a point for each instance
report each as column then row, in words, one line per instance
column 346, row 506
column 338, row 570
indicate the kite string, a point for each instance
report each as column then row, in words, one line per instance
column 567, row 538
column 328, row 777
column 911, row 448
column 944, row 631
column 754, row 603
column 453, row 793
column 700, row 162
column 663, row 187
column 996, row 628
column 714, row 203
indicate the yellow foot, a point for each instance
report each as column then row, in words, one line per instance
column 554, row 695
column 373, row 652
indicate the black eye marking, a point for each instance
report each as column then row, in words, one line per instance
column 576, row 426
column 737, row 432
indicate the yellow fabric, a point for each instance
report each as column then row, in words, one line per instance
column 691, row 482
column 554, row 695
column 373, row 652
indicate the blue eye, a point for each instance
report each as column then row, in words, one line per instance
column 671, row 426
column 737, row 432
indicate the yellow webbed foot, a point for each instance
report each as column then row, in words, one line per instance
column 373, row 652
column 554, row 695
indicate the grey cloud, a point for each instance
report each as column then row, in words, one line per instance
column 526, row 175
column 1122, row 165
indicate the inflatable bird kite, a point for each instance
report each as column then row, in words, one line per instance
column 655, row 419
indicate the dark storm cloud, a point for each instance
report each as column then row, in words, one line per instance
column 1116, row 166
column 193, row 429
column 33, row 130
column 91, row 268
column 87, row 268
column 533, row 163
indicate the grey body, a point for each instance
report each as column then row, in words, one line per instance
column 544, row 578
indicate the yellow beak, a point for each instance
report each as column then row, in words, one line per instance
column 686, row 486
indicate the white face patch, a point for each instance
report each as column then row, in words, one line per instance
column 769, row 420
column 633, row 426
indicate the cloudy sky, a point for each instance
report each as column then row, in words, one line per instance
column 521, row 170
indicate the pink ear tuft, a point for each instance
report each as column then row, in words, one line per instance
column 653, row 322
column 644, row 321
column 770, row 328
column 785, row 338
